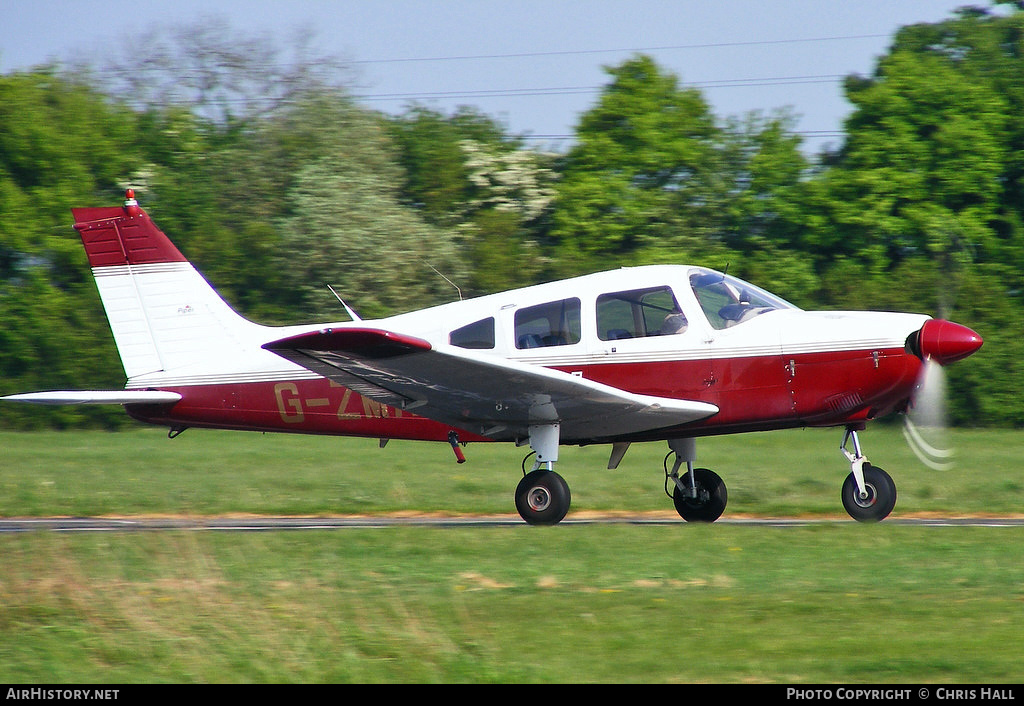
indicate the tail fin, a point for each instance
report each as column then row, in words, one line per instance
column 164, row 316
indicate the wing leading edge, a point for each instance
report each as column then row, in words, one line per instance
column 482, row 394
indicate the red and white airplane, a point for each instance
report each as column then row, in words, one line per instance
column 668, row 353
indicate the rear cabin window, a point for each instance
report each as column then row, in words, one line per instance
column 478, row 335
column 552, row 324
column 638, row 313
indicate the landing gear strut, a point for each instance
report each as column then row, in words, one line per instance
column 869, row 494
column 700, row 494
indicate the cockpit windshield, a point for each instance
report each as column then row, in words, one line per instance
column 728, row 301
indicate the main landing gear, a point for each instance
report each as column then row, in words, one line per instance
column 542, row 496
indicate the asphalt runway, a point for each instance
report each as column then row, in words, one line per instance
column 256, row 524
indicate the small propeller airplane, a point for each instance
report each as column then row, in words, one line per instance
column 654, row 353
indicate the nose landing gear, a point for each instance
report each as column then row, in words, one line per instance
column 869, row 494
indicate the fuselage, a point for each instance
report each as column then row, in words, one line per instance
column 666, row 331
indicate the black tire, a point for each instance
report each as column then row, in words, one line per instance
column 711, row 498
column 542, row 497
column 881, row 497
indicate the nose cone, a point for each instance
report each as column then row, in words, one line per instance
column 946, row 342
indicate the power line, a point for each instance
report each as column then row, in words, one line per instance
column 577, row 52
column 817, row 134
column 535, row 91
column 576, row 90
column 521, row 55
column 747, row 82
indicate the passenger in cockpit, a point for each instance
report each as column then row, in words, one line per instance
column 675, row 322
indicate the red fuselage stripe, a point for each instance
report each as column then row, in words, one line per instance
column 821, row 389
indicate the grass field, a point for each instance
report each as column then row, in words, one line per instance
column 838, row 602
column 216, row 472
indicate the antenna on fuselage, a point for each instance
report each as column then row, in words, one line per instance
column 353, row 315
column 446, row 280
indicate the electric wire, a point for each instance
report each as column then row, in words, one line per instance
column 572, row 52
column 534, row 91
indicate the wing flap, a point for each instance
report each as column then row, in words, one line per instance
column 484, row 394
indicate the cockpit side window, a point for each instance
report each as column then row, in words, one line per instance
column 552, row 324
column 478, row 335
column 728, row 301
column 638, row 313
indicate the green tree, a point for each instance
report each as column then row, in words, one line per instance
column 656, row 178
column 987, row 50
column 920, row 210
column 640, row 173
column 463, row 171
column 348, row 228
column 919, row 174
column 436, row 176
column 61, row 145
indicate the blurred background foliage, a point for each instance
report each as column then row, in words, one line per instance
column 265, row 171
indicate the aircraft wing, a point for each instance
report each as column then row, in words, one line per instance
column 479, row 393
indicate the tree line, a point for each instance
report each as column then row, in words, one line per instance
column 276, row 183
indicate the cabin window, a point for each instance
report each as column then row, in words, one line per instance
column 552, row 324
column 639, row 313
column 478, row 335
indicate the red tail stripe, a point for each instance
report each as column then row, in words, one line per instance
column 111, row 237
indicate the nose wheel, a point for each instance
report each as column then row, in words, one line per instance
column 878, row 498
column 869, row 493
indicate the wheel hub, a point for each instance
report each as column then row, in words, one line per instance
column 538, row 498
column 869, row 498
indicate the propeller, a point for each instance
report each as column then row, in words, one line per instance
column 938, row 343
column 925, row 425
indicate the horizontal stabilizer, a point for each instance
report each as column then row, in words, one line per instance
column 96, row 397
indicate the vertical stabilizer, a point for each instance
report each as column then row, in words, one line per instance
column 164, row 315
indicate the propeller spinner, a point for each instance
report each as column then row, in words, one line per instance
column 946, row 342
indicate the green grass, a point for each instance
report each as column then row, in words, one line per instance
column 605, row 603
column 216, row 472
column 838, row 602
